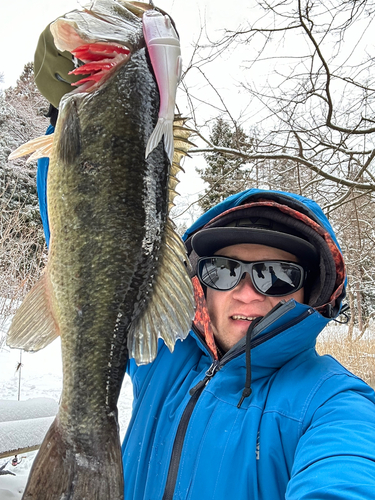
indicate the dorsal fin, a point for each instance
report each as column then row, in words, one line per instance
column 181, row 135
column 170, row 310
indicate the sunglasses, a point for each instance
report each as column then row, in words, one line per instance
column 274, row 278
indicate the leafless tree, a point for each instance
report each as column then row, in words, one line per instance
column 316, row 105
column 307, row 89
column 22, row 247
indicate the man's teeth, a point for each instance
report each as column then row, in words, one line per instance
column 247, row 318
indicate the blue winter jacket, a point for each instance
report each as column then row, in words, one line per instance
column 307, row 431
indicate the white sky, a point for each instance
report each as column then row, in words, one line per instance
column 22, row 21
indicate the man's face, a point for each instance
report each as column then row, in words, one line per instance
column 231, row 312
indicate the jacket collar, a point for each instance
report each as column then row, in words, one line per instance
column 287, row 331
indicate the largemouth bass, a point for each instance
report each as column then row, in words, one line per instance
column 116, row 276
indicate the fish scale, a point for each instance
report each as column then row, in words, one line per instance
column 118, row 232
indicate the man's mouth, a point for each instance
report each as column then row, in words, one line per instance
column 245, row 318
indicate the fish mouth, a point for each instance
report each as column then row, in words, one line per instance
column 101, row 39
column 97, row 61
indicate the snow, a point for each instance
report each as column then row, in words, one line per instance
column 25, row 422
column 32, row 408
column 12, row 487
column 21, row 434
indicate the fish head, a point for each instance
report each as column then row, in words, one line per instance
column 107, row 40
column 101, row 38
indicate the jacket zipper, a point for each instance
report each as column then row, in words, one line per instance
column 181, row 432
column 259, row 340
column 197, row 390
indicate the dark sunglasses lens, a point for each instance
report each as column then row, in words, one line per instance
column 276, row 278
column 220, row 273
column 269, row 278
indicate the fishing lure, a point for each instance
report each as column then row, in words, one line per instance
column 164, row 49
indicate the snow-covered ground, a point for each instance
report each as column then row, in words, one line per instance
column 41, row 377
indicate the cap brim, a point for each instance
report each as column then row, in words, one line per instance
column 209, row 241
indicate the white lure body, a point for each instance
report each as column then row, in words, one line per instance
column 164, row 49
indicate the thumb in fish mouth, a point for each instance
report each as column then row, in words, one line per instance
column 52, row 65
column 51, row 69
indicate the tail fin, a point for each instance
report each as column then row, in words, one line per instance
column 62, row 469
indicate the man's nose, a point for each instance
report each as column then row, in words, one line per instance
column 245, row 290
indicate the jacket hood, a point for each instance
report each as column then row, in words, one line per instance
column 296, row 206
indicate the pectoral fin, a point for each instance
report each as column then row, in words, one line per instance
column 33, row 326
column 41, row 147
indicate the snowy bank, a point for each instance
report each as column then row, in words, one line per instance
column 23, row 424
column 41, row 377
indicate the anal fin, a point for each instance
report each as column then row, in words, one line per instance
column 33, row 326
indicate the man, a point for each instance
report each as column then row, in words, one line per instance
column 245, row 408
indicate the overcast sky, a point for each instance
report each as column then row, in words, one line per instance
column 22, row 21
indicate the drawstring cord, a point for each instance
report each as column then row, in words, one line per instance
column 247, row 389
